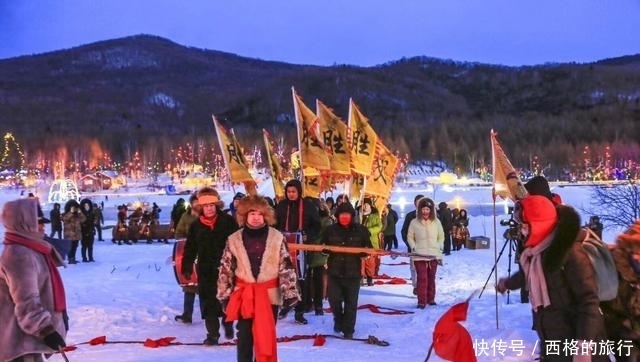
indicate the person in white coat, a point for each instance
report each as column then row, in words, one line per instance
column 426, row 240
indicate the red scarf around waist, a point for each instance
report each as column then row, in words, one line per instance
column 59, row 300
column 251, row 300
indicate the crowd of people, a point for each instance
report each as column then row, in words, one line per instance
column 247, row 274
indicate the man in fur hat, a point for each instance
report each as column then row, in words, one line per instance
column 561, row 280
column 256, row 275
column 206, row 240
column 32, row 297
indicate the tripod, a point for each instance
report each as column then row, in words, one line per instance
column 513, row 246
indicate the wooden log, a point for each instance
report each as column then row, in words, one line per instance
column 353, row 250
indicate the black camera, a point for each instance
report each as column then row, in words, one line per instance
column 509, row 222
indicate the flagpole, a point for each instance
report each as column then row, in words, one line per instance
column 224, row 154
column 298, row 115
column 495, row 227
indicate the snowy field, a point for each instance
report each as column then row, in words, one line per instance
column 130, row 294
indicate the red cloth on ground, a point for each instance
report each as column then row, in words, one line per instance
column 251, row 300
column 59, row 299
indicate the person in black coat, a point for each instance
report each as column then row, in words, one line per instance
column 206, row 240
column 404, row 232
column 446, row 219
column 56, row 221
column 297, row 215
column 88, row 230
column 344, row 269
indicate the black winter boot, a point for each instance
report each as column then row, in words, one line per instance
column 300, row 319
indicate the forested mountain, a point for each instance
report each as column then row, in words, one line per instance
column 148, row 94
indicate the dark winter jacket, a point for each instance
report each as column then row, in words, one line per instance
column 445, row 217
column 176, row 213
column 207, row 245
column 343, row 265
column 391, row 218
column 88, row 225
column 56, row 218
column 405, row 226
column 288, row 214
column 574, row 312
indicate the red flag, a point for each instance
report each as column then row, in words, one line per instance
column 451, row 341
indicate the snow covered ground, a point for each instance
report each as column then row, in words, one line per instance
column 130, row 294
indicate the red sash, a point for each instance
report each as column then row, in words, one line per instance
column 251, row 300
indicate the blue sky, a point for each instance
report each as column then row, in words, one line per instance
column 325, row 32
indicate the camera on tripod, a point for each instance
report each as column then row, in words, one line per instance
column 513, row 228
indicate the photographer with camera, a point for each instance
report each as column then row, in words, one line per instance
column 561, row 279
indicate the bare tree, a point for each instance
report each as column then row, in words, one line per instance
column 618, row 205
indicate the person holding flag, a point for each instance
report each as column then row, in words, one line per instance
column 299, row 220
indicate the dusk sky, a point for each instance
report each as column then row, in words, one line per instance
column 326, row 32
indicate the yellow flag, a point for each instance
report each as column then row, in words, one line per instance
column 334, row 133
column 362, row 141
column 383, row 173
column 274, row 167
column 312, row 183
column 356, row 188
column 233, row 157
column 312, row 153
column 506, row 181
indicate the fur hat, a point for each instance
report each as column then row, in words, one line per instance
column 630, row 239
column 541, row 216
column 425, row 202
column 208, row 191
column 255, row 203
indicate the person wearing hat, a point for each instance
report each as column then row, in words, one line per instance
column 538, row 185
column 446, row 219
column 62, row 246
column 560, row 278
column 256, row 275
column 206, row 241
column 299, row 217
column 182, row 231
column 32, row 296
column 344, row 269
column 234, row 204
column 373, row 222
column 426, row 237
